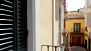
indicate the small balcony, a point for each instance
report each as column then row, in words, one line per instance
column 77, row 30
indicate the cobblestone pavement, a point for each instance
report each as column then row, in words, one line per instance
column 77, row 48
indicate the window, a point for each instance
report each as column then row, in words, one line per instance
column 77, row 27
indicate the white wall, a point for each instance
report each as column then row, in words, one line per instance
column 33, row 25
column 33, row 10
column 87, row 3
column 62, row 21
column 87, row 13
column 56, row 21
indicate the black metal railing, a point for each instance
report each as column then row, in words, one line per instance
column 78, row 30
column 54, row 47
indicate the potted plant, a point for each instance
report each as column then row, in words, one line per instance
column 64, row 32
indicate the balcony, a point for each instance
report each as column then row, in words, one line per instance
column 77, row 30
column 54, row 48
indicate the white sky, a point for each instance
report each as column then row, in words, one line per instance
column 73, row 5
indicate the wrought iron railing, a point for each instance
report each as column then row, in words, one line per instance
column 79, row 30
column 54, row 47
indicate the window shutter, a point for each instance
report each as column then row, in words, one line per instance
column 6, row 25
column 22, row 25
column 13, row 25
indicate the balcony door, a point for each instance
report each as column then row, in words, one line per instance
column 76, row 27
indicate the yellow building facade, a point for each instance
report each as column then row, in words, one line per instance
column 75, row 25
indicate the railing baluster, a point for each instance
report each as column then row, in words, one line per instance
column 55, row 48
column 47, row 48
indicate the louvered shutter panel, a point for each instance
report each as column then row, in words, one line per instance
column 6, row 25
column 13, row 25
column 22, row 25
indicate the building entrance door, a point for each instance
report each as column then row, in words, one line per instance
column 76, row 41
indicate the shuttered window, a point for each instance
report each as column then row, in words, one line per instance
column 13, row 25
column 22, row 25
column 6, row 25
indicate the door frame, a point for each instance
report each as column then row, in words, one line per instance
column 33, row 21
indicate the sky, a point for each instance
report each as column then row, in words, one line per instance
column 73, row 5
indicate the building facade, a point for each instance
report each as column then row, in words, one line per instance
column 87, row 15
column 75, row 25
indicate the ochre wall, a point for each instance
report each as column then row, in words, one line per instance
column 70, row 24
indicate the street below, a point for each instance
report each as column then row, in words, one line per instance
column 78, row 48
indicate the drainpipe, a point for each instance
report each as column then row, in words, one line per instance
column 60, row 25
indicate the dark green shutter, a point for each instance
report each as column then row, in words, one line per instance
column 13, row 25
column 22, row 25
column 6, row 25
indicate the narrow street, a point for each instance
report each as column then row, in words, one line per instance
column 78, row 48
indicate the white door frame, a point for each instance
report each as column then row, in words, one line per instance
column 33, row 21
